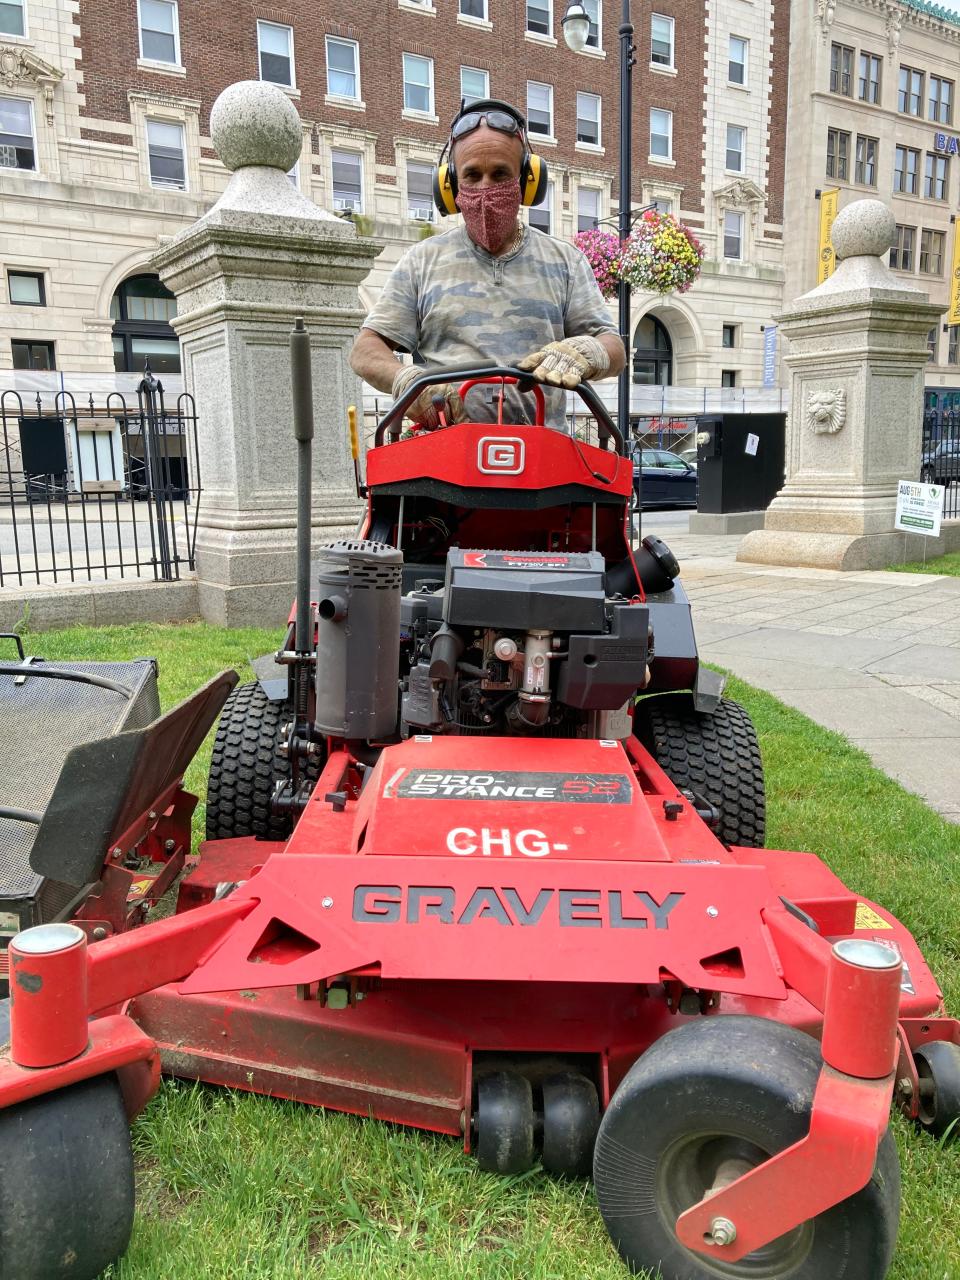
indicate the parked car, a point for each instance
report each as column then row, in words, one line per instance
column 689, row 456
column 668, row 481
column 941, row 464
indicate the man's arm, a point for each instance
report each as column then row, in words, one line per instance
column 613, row 345
column 373, row 359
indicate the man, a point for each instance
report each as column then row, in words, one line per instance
column 489, row 292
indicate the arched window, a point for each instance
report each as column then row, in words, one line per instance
column 142, row 309
column 652, row 354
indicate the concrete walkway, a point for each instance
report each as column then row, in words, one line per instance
column 875, row 656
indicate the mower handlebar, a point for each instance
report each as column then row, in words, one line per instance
column 390, row 425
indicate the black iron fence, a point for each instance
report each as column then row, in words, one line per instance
column 940, row 456
column 94, row 492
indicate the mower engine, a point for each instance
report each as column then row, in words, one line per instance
column 507, row 643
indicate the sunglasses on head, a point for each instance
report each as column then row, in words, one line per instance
column 502, row 121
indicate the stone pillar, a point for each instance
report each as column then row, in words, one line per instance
column 858, row 350
column 263, row 255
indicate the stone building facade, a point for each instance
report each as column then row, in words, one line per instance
column 873, row 112
column 105, row 150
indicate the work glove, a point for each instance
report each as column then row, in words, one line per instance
column 568, row 362
column 423, row 410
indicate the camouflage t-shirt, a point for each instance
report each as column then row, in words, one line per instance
column 454, row 304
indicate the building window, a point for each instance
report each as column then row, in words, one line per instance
column 159, row 31
column 953, row 344
column 941, row 100
column 901, row 255
column 652, row 354
column 541, row 215
column 275, row 46
column 11, row 18
column 730, row 336
column 736, row 143
column 33, row 355
column 26, row 289
column 347, row 181
column 661, row 133
column 540, row 17
column 737, row 66
column 474, row 84
column 728, row 377
column 142, row 309
column 419, row 191
column 663, row 206
column 841, row 70
column 866, row 170
column 931, row 252
column 932, row 345
column 906, row 171
column 733, row 235
column 17, row 149
column 343, row 68
column 661, row 40
column 588, row 118
column 540, row 108
column 167, row 163
column 417, row 83
column 838, row 154
column 474, row 9
column 868, row 88
column 910, row 94
column 588, row 208
column 593, row 13
column 935, row 177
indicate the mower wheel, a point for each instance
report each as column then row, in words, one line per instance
column 938, row 1066
column 706, row 1103
column 571, row 1115
column 503, row 1123
column 245, row 765
column 715, row 755
column 68, row 1191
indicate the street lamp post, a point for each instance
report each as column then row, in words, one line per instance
column 576, row 29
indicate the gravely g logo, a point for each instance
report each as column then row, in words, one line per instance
column 570, row 908
column 500, row 455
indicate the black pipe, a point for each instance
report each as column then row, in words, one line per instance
column 303, row 431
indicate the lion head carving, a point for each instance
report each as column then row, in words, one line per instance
column 826, row 411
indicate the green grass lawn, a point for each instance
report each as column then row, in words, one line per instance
column 949, row 563
column 234, row 1186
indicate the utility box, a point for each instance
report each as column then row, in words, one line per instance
column 740, row 463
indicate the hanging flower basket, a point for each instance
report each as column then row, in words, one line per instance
column 661, row 255
column 602, row 251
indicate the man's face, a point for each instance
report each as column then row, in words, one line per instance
column 487, row 156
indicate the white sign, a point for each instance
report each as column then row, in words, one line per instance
column 919, row 507
column 752, row 444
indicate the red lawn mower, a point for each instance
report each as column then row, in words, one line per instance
column 484, row 857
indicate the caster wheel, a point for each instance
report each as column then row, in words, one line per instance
column 68, row 1194
column 503, row 1123
column 706, row 1103
column 938, row 1066
column 571, row 1116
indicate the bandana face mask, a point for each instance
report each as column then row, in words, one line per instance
column 490, row 213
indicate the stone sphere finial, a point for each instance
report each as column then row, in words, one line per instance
column 866, row 228
column 253, row 123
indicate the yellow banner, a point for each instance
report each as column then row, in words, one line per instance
column 826, row 258
column 953, row 315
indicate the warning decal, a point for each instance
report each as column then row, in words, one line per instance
column 563, row 788
column 867, row 918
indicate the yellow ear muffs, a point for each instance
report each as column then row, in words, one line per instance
column 533, row 179
column 445, row 188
